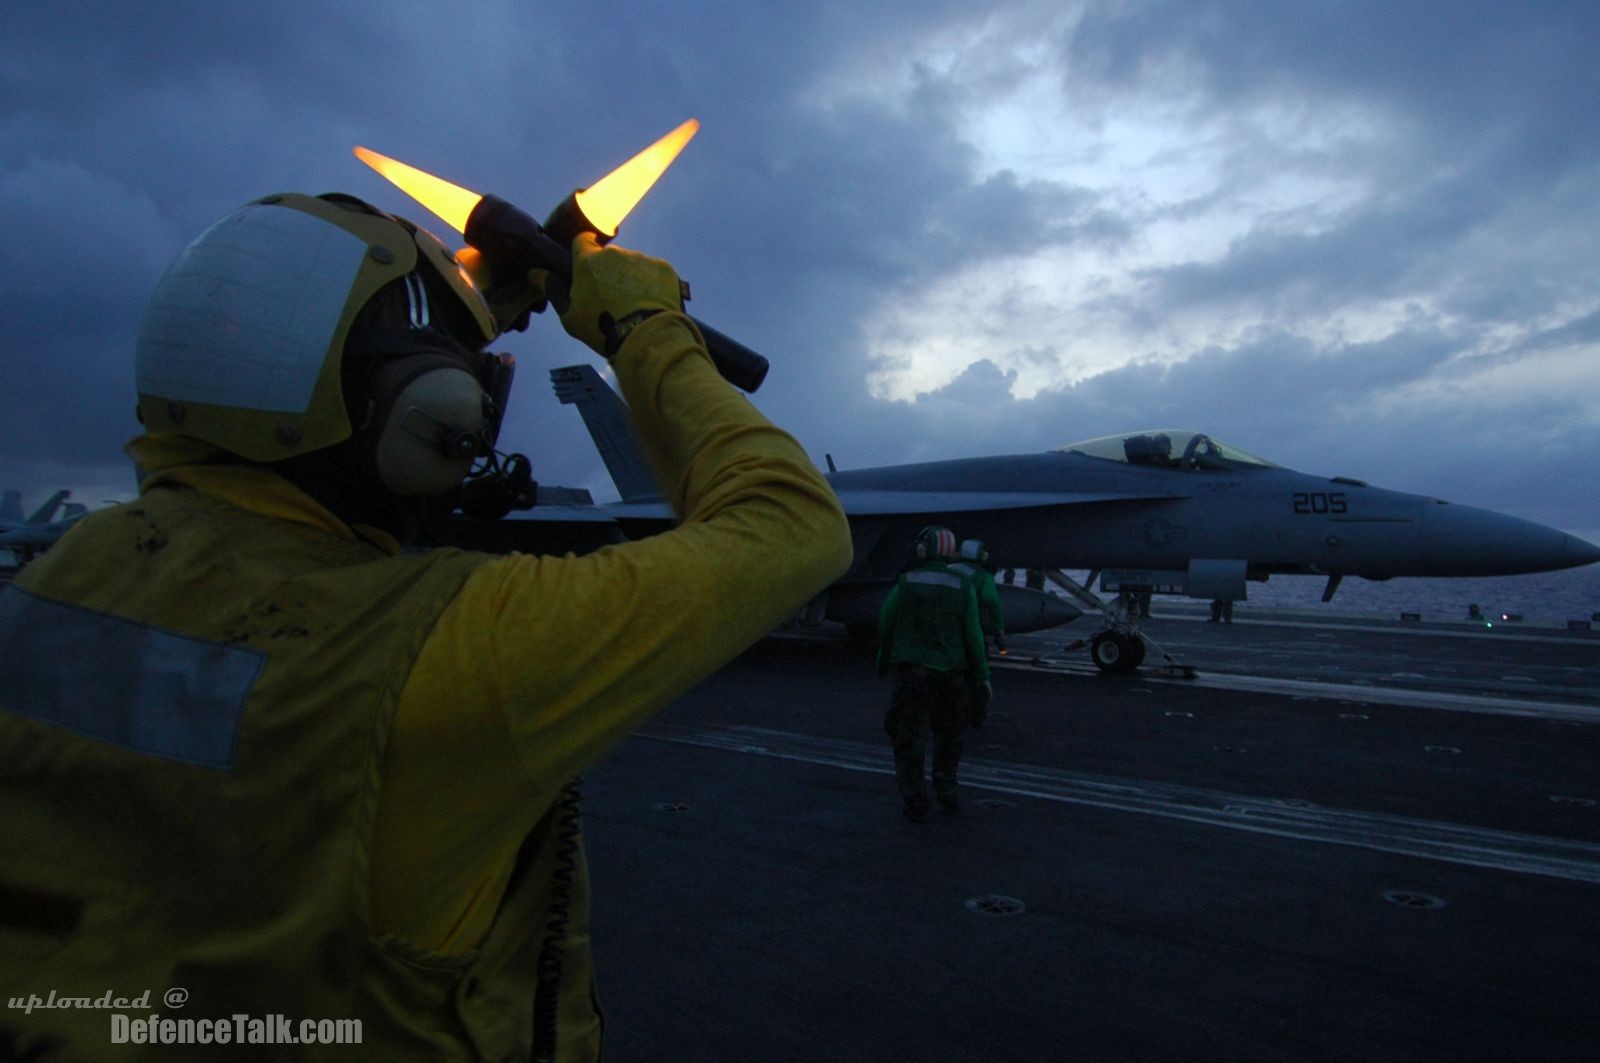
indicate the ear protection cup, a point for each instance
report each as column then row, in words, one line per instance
column 429, row 423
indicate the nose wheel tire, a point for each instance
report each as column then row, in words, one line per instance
column 1114, row 652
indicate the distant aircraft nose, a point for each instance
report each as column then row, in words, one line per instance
column 1580, row 552
column 1464, row 541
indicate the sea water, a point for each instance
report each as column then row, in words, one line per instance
column 1544, row 596
column 1549, row 596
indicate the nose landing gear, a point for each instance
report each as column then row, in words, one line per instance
column 1114, row 651
column 1121, row 647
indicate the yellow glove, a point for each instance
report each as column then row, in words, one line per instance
column 613, row 289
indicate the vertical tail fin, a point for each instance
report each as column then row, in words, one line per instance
column 47, row 512
column 11, row 506
column 606, row 417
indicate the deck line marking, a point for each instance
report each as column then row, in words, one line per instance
column 1527, row 854
column 1373, row 695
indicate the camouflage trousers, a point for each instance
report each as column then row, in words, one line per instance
column 978, row 698
column 923, row 701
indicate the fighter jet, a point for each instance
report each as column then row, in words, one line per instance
column 27, row 536
column 1181, row 512
column 1166, row 510
column 11, row 510
column 854, row 601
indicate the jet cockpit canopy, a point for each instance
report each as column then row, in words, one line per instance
column 1168, row 448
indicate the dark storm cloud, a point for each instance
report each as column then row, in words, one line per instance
column 1519, row 73
column 1366, row 257
column 1496, row 108
column 808, row 203
column 981, row 384
column 67, row 306
column 129, row 128
column 1002, row 213
column 1478, row 253
column 1277, row 396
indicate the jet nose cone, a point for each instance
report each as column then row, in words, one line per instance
column 1463, row 541
column 1580, row 552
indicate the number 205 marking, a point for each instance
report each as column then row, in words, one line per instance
column 1318, row 502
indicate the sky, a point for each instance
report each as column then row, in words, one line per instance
column 1356, row 238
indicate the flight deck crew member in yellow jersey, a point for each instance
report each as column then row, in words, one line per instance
column 932, row 639
column 252, row 749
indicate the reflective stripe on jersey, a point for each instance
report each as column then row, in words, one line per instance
column 131, row 684
column 935, row 579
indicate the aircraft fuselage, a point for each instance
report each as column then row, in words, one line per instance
column 1273, row 519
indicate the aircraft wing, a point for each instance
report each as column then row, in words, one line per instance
column 862, row 503
column 869, row 503
column 605, row 512
column 560, row 514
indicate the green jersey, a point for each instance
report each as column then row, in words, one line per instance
column 931, row 618
column 989, row 612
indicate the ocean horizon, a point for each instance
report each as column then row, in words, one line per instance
column 1573, row 594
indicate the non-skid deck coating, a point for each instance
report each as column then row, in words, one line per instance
column 1330, row 869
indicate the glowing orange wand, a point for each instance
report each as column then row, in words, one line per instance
column 512, row 243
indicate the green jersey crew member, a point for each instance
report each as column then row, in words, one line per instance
column 974, row 565
column 250, row 748
column 931, row 637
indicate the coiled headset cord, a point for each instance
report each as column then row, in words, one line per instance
column 547, row 997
